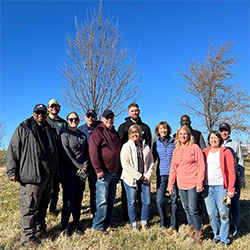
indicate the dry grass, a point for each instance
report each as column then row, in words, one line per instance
column 120, row 235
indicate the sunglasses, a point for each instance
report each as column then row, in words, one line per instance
column 41, row 112
column 73, row 119
column 92, row 116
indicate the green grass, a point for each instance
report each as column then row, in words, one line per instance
column 120, row 235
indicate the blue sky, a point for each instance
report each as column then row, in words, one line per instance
column 166, row 34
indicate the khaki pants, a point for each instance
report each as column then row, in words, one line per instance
column 33, row 202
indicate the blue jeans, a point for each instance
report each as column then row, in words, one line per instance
column 217, row 211
column 235, row 209
column 162, row 183
column 144, row 190
column 73, row 188
column 189, row 200
column 105, row 198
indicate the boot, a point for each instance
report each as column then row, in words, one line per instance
column 198, row 237
column 192, row 231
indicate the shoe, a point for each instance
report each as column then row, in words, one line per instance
column 223, row 244
column 78, row 230
column 31, row 244
column 215, row 241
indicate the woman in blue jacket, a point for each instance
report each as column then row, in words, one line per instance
column 162, row 151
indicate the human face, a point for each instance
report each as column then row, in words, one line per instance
column 163, row 131
column 54, row 109
column 224, row 133
column 73, row 121
column 183, row 136
column 108, row 121
column 134, row 112
column 185, row 121
column 90, row 119
column 135, row 136
column 214, row 141
column 40, row 116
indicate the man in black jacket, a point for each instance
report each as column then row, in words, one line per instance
column 134, row 118
column 32, row 160
column 57, row 123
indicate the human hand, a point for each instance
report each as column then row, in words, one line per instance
column 199, row 189
column 14, row 178
column 100, row 175
column 170, row 190
column 82, row 170
column 230, row 194
column 145, row 179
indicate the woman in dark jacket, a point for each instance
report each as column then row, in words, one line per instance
column 75, row 152
column 162, row 151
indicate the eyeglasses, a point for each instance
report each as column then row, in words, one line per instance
column 41, row 112
column 90, row 116
column 74, row 119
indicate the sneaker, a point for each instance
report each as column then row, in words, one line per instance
column 78, row 230
column 215, row 241
column 224, row 244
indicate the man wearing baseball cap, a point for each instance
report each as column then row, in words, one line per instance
column 32, row 160
column 57, row 123
column 87, row 129
column 104, row 151
column 234, row 146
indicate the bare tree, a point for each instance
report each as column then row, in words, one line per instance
column 99, row 71
column 213, row 93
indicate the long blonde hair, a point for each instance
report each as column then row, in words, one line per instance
column 190, row 140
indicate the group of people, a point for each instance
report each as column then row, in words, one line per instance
column 46, row 150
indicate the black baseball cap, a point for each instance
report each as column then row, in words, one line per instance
column 107, row 112
column 225, row 126
column 91, row 112
column 40, row 107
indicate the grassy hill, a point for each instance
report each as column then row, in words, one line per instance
column 120, row 235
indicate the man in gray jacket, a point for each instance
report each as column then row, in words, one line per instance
column 234, row 146
column 32, row 160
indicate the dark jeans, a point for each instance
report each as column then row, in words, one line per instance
column 54, row 194
column 235, row 210
column 162, row 183
column 33, row 202
column 92, row 178
column 73, row 188
column 189, row 200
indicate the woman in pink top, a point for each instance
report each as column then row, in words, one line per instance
column 189, row 168
column 219, row 183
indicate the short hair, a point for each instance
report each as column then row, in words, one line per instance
column 188, row 117
column 190, row 140
column 133, row 104
column 134, row 128
column 72, row 113
column 217, row 133
column 165, row 125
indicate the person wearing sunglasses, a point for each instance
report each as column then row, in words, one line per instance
column 57, row 123
column 32, row 160
column 75, row 153
column 87, row 129
column 104, row 151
